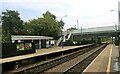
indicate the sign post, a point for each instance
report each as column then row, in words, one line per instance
column 119, row 22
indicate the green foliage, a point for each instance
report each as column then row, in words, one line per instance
column 72, row 28
column 46, row 25
column 103, row 39
column 0, row 34
column 11, row 24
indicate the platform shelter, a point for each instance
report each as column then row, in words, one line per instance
column 40, row 41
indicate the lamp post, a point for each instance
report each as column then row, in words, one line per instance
column 116, row 28
column 62, row 35
column 118, row 16
column 116, row 34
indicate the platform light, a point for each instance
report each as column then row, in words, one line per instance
column 61, row 30
column 13, row 41
column 19, row 41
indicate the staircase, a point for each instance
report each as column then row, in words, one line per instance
column 65, row 34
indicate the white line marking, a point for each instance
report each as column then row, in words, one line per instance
column 109, row 61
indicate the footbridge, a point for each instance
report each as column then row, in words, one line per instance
column 98, row 32
column 101, row 31
column 109, row 31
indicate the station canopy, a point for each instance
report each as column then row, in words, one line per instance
column 22, row 37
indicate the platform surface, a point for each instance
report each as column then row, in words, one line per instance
column 106, row 61
column 40, row 52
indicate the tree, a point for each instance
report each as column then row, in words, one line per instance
column 49, row 15
column 72, row 28
column 46, row 25
column 11, row 24
column 0, row 33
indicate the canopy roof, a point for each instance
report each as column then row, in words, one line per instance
column 22, row 37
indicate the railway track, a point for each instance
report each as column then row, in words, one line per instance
column 78, row 64
column 64, row 64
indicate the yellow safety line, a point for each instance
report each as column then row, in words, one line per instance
column 109, row 62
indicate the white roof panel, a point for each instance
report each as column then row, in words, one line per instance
column 22, row 37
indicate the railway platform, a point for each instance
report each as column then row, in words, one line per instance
column 108, row 61
column 40, row 52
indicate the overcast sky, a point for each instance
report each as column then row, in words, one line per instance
column 89, row 13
